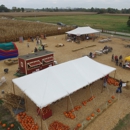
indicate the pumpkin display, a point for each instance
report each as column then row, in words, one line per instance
column 112, row 81
column 56, row 125
column 26, row 121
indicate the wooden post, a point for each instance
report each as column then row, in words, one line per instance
column 92, row 94
column 13, row 88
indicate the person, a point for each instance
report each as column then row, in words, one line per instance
column 35, row 50
column 112, row 58
column 27, row 44
column 90, row 54
column 104, row 82
column 120, row 57
column 120, row 87
column 120, row 62
column 42, row 47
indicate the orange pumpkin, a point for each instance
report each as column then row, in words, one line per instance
column 98, row 110
column 78, row 125
column 12, row 125
column 112, row 97
column 109, row 101
column 88, row 118
column 92, row 115
column 8, row 128
column 0, row 123
column 4, row 125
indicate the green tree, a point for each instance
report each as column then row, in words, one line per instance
column 128, row 22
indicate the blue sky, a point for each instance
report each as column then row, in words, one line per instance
column 118, row 4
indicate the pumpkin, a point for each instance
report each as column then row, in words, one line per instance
column 0, row 123
column 78, row 125
column 112, row 97
column 88, row 118
column 3, row 125
column 8, row 128
column 109, row 101
column 92, row 115
column 12, row 125
column 98, row 110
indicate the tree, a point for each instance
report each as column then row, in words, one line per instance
column 4, row 9
column 22, row 9
column 128, row 22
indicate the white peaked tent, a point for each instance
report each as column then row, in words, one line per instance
column 82, row 30
column 51, row 84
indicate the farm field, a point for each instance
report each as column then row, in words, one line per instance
column 109, row 22
column 109, row 118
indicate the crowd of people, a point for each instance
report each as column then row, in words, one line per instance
column 119, row 61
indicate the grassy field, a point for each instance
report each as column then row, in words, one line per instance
column 123, row 124
column 116, row 23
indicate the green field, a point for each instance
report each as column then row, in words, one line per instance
column 116, row 23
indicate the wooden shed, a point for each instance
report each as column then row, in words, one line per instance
column 34, row 62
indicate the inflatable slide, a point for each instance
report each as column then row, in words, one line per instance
column 8, row 50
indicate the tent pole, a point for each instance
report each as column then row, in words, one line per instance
column 114, row 74
column 92, row 94
column 13, row 88
column 67, row 103
column 41, row 123
column 72, row 105
column 25, row 102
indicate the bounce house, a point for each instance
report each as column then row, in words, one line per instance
column 8, row 50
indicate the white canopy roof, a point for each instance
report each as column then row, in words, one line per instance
column 47, row 86
column 82, row 30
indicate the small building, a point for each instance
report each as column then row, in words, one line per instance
column 35, row 61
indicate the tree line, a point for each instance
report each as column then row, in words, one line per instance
column 3, row 8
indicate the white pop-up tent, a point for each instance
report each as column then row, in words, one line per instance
column 53, row 83
column 82, row 30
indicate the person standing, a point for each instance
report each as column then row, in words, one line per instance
column 27, row 44
column 104, row 82
column 120, row 87
column 112, row 58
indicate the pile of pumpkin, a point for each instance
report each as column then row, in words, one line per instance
column 56, row 125
column 70, row 114
column 9, row 127
column 112, row 81
column 27, row 122
column 90, row 99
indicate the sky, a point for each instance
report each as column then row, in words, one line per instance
column 39, row 4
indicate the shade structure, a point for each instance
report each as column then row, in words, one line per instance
column 127, row 58
column 82, row 30
column 53, row 83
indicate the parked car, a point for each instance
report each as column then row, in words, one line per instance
column 61, row 24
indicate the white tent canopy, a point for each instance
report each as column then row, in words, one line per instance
column 51, row 84
column 82, row 30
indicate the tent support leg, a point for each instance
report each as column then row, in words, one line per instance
column 92, row 94
column 67, row 103
column 25, row 102
column 72, row 105
column 114, row 74
column 41, row 123
column 13, row 89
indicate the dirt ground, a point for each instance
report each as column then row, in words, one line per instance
column 108, row 119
